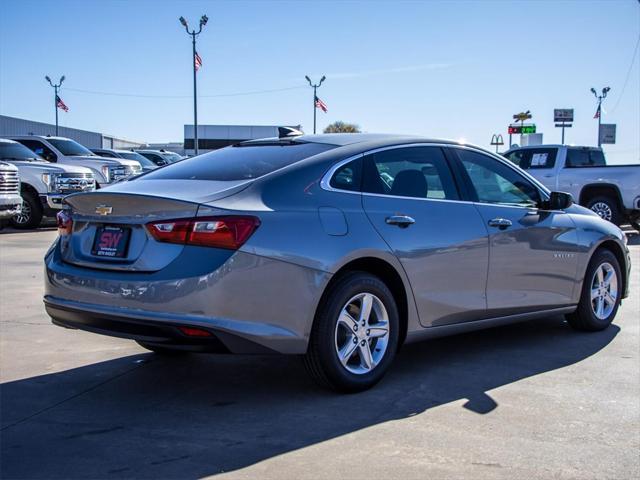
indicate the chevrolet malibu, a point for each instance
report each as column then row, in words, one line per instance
column 338, row 247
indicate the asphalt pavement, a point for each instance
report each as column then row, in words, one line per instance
column 533, row 400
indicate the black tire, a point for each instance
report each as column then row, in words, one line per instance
column 161, row 350
column 31, row 215
column 607, row 208
column 322, row 360
column 584, row 318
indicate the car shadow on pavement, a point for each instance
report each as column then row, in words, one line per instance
column 152, row 417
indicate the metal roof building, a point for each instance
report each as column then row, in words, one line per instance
column 19, row 126
column 212, row 137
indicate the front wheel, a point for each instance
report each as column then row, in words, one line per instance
column 31, row 214
column 601, row 294
column 355, row 334
column 606, row 208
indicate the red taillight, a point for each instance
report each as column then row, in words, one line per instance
column 194, row 332
column 228, row 232
column 65, row 223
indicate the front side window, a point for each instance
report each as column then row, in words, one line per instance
column 419, row 172
column 534, row 158
column 494, row 182
column 40, row 149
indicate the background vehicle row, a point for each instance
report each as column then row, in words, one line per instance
column 612, row 191
column 42, row 185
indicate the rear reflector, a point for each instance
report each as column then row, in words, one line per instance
column 228, row 232
column 194, row 332
column 65, row 223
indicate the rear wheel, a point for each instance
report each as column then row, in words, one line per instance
column 31, row 214
column 601, row 294
column 162, row 350
column 606, row 208
column 355, row 334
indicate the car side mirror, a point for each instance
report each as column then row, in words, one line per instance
column 559, row 201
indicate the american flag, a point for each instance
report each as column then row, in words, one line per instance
column 60, row 104
column 321, row 105
column 197, row 61
column 597, row 115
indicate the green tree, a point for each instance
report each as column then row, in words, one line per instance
column 342, row 127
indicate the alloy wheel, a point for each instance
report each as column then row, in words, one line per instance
column 604, row 290
column 603, row 210
column 24, row 216
column 362, row 333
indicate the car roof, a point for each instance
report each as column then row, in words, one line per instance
column 22, row 137
column 344, row 139
column 7, row 140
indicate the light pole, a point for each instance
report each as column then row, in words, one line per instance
column 598, row 114
column 203, row 21
column 315, row 97
column 55, row 96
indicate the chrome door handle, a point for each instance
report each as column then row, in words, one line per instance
column 402, row 221
column 501, row 223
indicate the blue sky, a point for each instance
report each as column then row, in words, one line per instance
column 456, row 69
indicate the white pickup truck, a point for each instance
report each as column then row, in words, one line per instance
column 69, row 152
column 10, row 199
column 612, row 191
column 41, row 184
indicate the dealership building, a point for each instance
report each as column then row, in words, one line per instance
column 19, row 126
column 212, row 137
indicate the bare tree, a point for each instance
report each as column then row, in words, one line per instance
column 342, row 127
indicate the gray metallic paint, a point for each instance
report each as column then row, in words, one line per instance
column 307, row 234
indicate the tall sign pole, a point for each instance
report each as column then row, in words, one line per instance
column 563, row 117
column 315, row 97
column 195, row 62
column 55, row 86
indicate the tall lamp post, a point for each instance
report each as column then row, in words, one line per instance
column 203, row 21
column 55, row 96
column 598, row 114
column 315, row 96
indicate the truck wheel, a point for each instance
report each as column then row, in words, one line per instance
column 601, row 293
column 31, row 214
column 606, row 208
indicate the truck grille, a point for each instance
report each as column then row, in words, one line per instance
column 9, row 182
column 75, row 182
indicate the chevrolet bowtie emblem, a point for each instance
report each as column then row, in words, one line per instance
column 104, row 209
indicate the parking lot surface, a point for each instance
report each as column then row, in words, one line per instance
column 533, row 400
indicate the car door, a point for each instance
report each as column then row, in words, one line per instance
column 410, row 196
column 533, row 251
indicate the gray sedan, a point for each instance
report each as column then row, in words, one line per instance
column 338, row 247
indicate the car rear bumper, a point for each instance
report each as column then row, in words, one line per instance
column 156, row 329
column 250, row 304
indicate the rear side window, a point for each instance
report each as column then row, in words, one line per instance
column 418, row 172
column 239, row 162
column 585, row 157
column 534, row 158
column 347, row 177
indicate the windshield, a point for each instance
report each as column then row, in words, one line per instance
column 172, row 157
column 239, row 162
column 17, row 151
column 70, row 148
column 145, row 162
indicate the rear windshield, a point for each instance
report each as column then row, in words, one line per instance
column 585, row 157
column 239, row 162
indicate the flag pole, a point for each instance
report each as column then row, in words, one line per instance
column 315, row 96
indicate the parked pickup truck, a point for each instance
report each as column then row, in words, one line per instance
column 69, row 152
column 42, row 185
column 10, row 199
column 612, row 191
